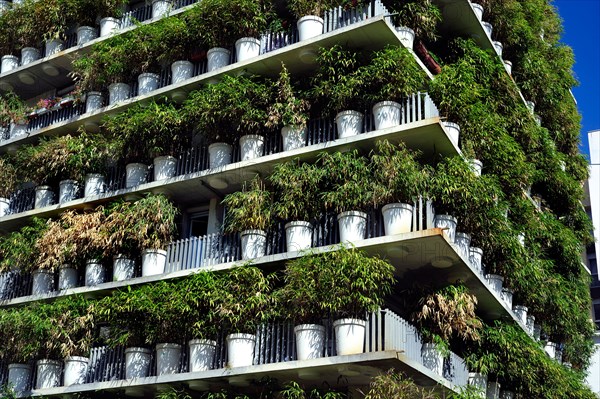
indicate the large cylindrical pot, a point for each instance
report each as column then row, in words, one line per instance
column 407, row 36
column 54, row 46
column 217, row 57
column 8, row 283
column 293, row 137
column 160, row 8
column 168, row 358
column 349, row 336
column 95, row 273
column 349, row 123
column 135, row 174
column 309, row 26
column 93, row 100
column 476, row 257
column 86, row 34
column 48, row 373
column 201, row 354
column 493, row 390
column 478, row 10
column 476, row 166
column 108, row 25
column 68, row 277
column 550, row 349
column 9, row 62
column 352, row 226
column 521, row 313
column 251, row 146
column 448, row 224
column 219, row 154
column 298, row 235
column 118, row 92
column 44, row 196
column 387, row 114
column 75, row 370
column 488, row 28
column 463, row 243
column 247, row 48
column 123, row 268
column 18, row 129
column 397, row 218
column 498, row 47
column 67, row 190
column 43, row 282
column 453, row 130
column 310, row 341
column 94, row 184
column 165, row 167
column 495, row 282
column 181, row 70
column 240, row 350
column 19, row 376
column 254, row 244
column 432, row 358
column 137, row 362
column 147, row 82
column 479, row 381
column 507, row 297
column 153, row 262
column 508, row 67
column 530, row 324
column 29, row 55
column 4, row 206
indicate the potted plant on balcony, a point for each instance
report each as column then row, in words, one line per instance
column 348, row 191
column 243, row 301
column 338, row 87
column 110, row 11
column 289, row 110
column 297, row 186
column 10, row 181
column 309, row 15
column 249, row 214
column 14, row 114
column 391, row 75
column 398, row 179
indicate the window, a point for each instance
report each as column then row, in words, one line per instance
column 198, row 224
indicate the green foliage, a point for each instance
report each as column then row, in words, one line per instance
column 12, row 109
column 289, row 107
column 422, row 16
column 8, row 177
column 396, row 385
column 25, row 333
column 301, row 8
column 292, row 390
column 248, row 209
column 18, row 250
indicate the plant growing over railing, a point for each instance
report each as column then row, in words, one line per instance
column 13, row 109
column 393, row 384
column 23, row 334
column 301, row 8
column 422, row 16
column 248, row 209
column 8, row 177
column 293, row 390
column 18, row 249
column 289, row 108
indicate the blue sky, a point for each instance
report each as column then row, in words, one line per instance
column 581, row 21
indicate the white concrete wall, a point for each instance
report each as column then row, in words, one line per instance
column 593, row 374
column 594, row 184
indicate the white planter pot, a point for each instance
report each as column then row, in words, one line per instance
column 219, row 154
column 293, row 137
column 8, row 282
column 181, row 70
column 118, row 92
column 432, row 358
column 538, row 120
column 254, row 244
column 298, row 235
column 498, row 47
column 43, row 282
column 448, row 224
column 67, row 191
column 216, row 58
column 495, row 282
column 86, row 34
column 94, row 185
column 310, row 341
column 550, row 349
column 488, row 28
column 508, row 67
column 168, row 358
column 109, row 25
column 68, row 277
column 75, row 370
column 153, row 262
column 352, row 225
column 476, row 257
column 95, row 273
column 530, row 106
column 240, row 350
column 397, row 218
column 147, row 82
column 309, row 26
column 9, row 62
column 349, row 336
column 29, row 55
column 43, row 196
column 94, row 100
column 19, row 376
column 506, row 394
column 251, row 146
column 4, row 206
column 387, row 114
column 53, row 46
column 137, row 362
column 478, row 10
column 530, row 324
column 18, row 129
column 453, row 131
column 123, row 268
column 48, row 373
column 247, row 48
column 135, row 174
column 521, row 313
column 493, row 390
column 349, row 123
column 537, row 331
column 479, row 381
column 160, row 8
column 165, row 167
column 463, row 243
column 201, row 354
column 507, row 297
column 407, row 36
column 476, row 166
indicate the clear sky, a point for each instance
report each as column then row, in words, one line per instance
column 581, row 21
